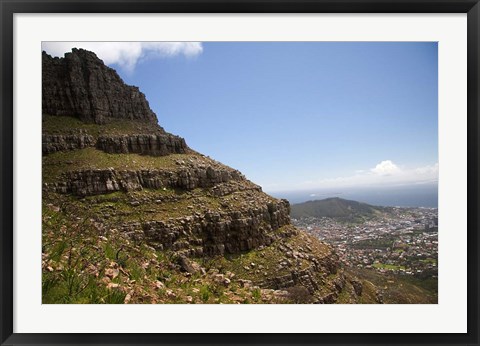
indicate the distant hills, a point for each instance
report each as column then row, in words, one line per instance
column 337, row 208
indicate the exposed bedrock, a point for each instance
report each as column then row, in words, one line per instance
column 81, row 85
column 101, row 181
column 154, row 145
column 312, row 277
column 216, row 233
column 53, row 143
column 148, row 144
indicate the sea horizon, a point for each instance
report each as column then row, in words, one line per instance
column 415, row 195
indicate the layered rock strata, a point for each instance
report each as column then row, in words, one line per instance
column 154, row 144
column 54, row 143
column 101, row 181
column 81, row 85
column 143, row 144
column 217, row 233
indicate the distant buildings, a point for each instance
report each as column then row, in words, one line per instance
column 403, row 240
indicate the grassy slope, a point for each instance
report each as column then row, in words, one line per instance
column 397, row 289
column 91, row 158
column 86, row 262
column 62, row 125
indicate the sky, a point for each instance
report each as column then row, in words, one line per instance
column 293, row 115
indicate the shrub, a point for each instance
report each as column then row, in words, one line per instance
column 299, row 295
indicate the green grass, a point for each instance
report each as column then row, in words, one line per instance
column 396, row 288
column 205, row 293
column 90, row 158
column 117, row 208
column 66, row 124
column 257, row 294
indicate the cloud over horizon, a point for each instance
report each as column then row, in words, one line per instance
column 385, row 173
column 127, row 54
column 385, row 168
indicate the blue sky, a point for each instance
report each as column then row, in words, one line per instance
column 293, row 115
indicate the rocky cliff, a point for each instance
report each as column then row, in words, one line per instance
column 118, row 189
column 80, row 85
column 145, row 144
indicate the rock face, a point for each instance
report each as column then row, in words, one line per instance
column 53, row 143
column 154, row 144
column 101, row 181
column 159, row 144
column 217, row 233
column 81, row 85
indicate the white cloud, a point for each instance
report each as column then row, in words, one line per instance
column 385, row 173
column 428, row 170
column 127, row 54
column 386, row 167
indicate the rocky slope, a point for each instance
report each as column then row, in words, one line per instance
column 132, row 214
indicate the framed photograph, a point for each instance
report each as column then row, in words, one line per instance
column 239, row 172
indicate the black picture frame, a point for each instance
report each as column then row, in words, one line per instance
column 9, row 7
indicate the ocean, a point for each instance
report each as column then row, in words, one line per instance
column 418, row 195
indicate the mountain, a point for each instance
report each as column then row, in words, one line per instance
column 132, row 214
column 78, row 85
column 336, row 208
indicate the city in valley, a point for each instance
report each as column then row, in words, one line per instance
column 400, row 241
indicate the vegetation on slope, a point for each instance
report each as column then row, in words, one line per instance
column 337, row 208
column 85, row 264
column 63, row 125
column 90, row 158
column 88, row 257
column 396, row 289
